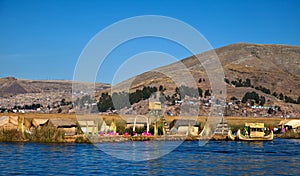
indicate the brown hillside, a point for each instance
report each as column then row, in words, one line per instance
column 276, row 67
column 11, row 86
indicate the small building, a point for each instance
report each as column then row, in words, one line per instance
column 138, row 122
column 39, row 122
column 12, row 123
column 68, row 125
column 88, row 127
column 184, row 127
column 292, row 124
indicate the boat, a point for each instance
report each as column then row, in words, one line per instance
column 254, row 132
column 230, row 135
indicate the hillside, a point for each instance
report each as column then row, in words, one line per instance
column 272, row 67
column 10, row 86
column 276, row 67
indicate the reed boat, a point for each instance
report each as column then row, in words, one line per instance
column 254, row 132
column 230, row 135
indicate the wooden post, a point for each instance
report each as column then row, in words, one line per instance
column 156, row 128
column 148, row 118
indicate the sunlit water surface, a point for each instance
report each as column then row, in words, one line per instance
column 281, row 156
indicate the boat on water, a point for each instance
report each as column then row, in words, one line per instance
column 231, row 136
column 252, row 132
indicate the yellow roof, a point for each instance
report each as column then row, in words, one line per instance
column 154, row 105
column 255, row 125
column 293, row 123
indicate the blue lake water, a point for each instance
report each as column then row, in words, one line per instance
column 281, row 156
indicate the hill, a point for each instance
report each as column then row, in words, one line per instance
column 10, row 86
column 270, row 69
column 276, row 67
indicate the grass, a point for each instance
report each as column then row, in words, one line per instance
column 290, row 134
column 11, row 135
column 46, row 134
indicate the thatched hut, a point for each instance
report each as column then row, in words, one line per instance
column 138, row 121
column 88, row 126
column 184, row 126
column 39, row 122
column 12, row 122
column 292, row 125
column 68, row 125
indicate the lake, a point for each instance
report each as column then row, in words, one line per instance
column 281, row 156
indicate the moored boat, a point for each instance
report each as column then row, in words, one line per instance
column 254, row 132
column 230, row 135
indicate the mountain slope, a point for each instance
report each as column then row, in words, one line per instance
column 276, row 67
column 11, row 86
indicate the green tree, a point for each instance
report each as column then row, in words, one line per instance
column 207, row 93
column 233, row 98
column 200, row 92
column 161, row 88
column 262, row 101
column 281, row 97
column 105, row 103
column 275, row 94
column 226, row 80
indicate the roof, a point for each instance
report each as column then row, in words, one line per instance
column 255, row 125
column 84, row 123
column 38, row 122
column 139, row 120
column 293, row 123
column 62, row 122
column 178, row 123
column 4, row 120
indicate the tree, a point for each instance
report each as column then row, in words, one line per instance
column 275, row 94
column 247, row 83
column 252, row 96
column 177, row 90
column 161, row 88
column 281, row 97
column 233, row 98
column 105, row 103
column 270, row 111
column 262, row 100
column 207, row 93
column 63, row 102
column 200, row 92
column 288, row 99
column 226, row 80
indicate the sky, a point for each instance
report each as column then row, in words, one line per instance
column 43, row 40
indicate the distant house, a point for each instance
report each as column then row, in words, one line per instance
column 68, row 125
column 184, row 127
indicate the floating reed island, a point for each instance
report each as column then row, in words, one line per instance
column 68, row 128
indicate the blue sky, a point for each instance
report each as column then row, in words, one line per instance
column 43, row 39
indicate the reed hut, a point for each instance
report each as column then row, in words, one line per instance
column 88, row 126
column 138, row 122
column 184, row 127
column 39, row 122
column 12, row 122
column 68, row 125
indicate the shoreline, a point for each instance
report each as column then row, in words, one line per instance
column 15, row 135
